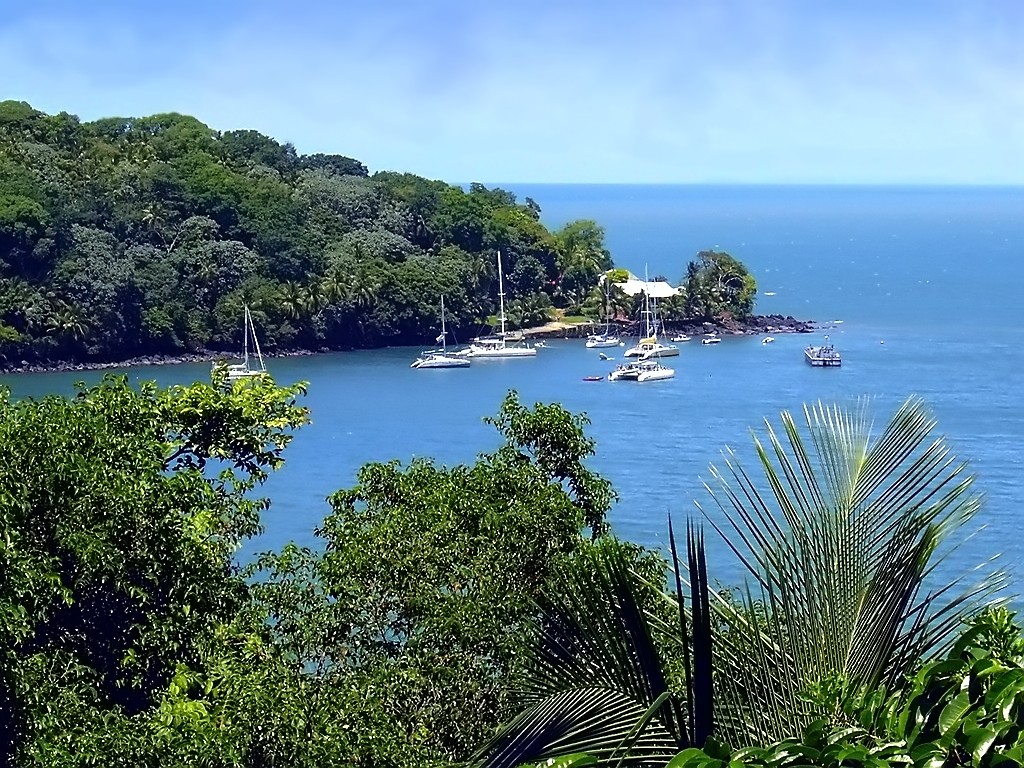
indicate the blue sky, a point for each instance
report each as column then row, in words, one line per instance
column 692, row 91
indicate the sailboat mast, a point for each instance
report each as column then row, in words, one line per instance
column 607, row 314
column 501, row 297
column 444, row 333
column 255, row 341
column 246, row 322
column 647, row 303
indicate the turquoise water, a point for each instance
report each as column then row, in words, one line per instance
column 926, row 281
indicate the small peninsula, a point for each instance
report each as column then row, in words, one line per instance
column 141, row 240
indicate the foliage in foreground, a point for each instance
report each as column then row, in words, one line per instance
column 130, row 636
column 597, row 681
column 430, row 575
column 966, row 708
column 120, row 512
column 842, row 538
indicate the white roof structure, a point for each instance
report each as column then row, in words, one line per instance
column 656, row 289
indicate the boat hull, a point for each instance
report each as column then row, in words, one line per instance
column 641, row 372
column 441, row 361
column 656, row 374
column 599, row 343
column 484, row 353
column 822, row 357
column 648, row 351
column 662, row 350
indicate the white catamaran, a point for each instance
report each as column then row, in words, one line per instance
column 498, row 346
column 439, row 358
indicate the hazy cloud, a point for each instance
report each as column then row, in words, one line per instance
column 574, row 91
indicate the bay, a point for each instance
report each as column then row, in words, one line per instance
column 926, row 282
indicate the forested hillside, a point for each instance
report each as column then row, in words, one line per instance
column 127, row 237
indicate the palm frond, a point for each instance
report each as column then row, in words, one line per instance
column 841, row 535
column 595, row 682
column 595, row 721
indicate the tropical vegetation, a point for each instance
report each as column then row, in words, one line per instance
column 132, row 237
column 716, row 287
column 141, row 236
column 484, row 614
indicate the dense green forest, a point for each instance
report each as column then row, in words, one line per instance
column 484, row 614
column 127, row 237
column 130, row 236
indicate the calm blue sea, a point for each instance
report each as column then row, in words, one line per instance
column 926, row 281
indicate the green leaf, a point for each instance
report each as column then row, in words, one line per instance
column 979, row 743
column 689, row 758
column 568, row 761
column 952, row 714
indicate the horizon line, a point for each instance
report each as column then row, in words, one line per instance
column 837, row 184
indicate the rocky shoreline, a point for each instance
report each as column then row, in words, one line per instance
column 752, row 326
column 63, row 366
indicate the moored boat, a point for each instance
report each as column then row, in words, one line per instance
column 252, row 364
column 601, row 340
column 824, row 356
column 642, row 370
column 500, row 345
column 440, row 358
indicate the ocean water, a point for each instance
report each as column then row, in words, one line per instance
column 925, row 281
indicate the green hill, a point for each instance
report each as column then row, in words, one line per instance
column 127, row 237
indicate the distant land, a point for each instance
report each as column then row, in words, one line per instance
column 139, row 240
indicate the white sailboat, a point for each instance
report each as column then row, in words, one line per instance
column 607, row 338
column 439, row 358
column 250, row 365
column 649, row 347
column 498, row 346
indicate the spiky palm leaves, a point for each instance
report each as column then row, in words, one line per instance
column 597, row 681
column 842, row 538
column 841, row 542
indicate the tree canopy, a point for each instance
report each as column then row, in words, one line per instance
column 126, row 237
column 448, row 601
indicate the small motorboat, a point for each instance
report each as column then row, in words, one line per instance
column 603, row 356
column 679, row 337
column 710, row 340
column 768, row 340
column 593, row 378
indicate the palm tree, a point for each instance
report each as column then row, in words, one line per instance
column 485, row 272
column 362, row 290
column 619, row 302
column 332, row 287
column 313, row 300
column 597, row 681
column 67, row 326
column 292, row 300
column 842, row 539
